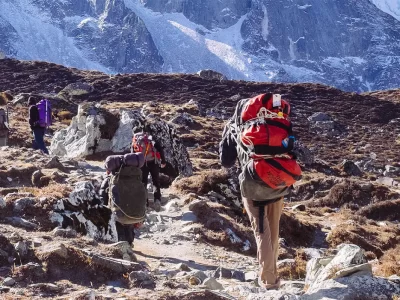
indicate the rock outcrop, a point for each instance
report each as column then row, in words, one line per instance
column 347, row 275
column 95, row 130
column 84, row 213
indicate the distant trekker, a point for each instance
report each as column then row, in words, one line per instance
column 153, row 154
column 39, row 120
column 123, row 191
column 260, row 135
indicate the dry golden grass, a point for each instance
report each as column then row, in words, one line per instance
column 201, row 183
column 66, row 122
column 369, row 236
column 333, row 271
column 55, row 190
column 297, row 270
column 389, row 264
column 65, row 115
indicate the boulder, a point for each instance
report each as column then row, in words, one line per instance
column 77, row 89
column 2, row 202
column 83, row 136
column 354, row 287
column 391, row 171
column 142, row 279
column 54, row 163
column 83, row 213
column 350, row 168
column 212, row 284
column 211, row 75
column 319, row 117
column 95, row 130
column 348, row 256
column 23, row 203
column 182, row 119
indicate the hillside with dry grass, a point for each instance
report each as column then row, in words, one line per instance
column 331, row 205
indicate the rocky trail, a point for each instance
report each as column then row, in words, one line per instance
column 340, row 232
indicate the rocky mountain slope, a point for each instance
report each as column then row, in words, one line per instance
column 57, row 241
column 352, row 45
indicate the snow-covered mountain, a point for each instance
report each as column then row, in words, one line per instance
column 350, row 44
column 392, row 7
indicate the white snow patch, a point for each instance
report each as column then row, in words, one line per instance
column 40, row 39
column 265, row 24
column 391, row 7
column 304, row 6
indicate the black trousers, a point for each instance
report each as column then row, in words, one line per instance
column 125, row 232
column 154, row 169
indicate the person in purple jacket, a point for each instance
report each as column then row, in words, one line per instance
column 37, row 130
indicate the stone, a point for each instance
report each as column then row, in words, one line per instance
column 65, row 233
column 286, row 262
column 211, row 75
column 358, row 270
column 124, row 250
column 391, row 171
column 319, row 117
column 2, row 202
column 87, row 135
column 57, row 249
column 238, row 275
column 21, row 248
column 182, row 119
column 83, row 136
column 353, row 287
column 193, row 280
column 299, row 207
column 8, row 281
column 387, row 181
column 77, row 89
column 189, row 217
column 4, row 289
column 50, row 287
column 394, row 278
column 183, row 267
column 199, row 274
column 20, row 222
column 347, row 256
column 23, row 203
column 216, row 195
column 221, row 272
column 197, row 205
column 212, row 284
column 116, row 265
column 172, row 206
column 3, row 253
column 142, row 279
column 36, row 176
column 250, row 276
column 350, row 168
column 54, row 163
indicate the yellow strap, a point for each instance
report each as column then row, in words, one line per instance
column 147, row 149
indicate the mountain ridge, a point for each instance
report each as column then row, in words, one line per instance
column 351, row 45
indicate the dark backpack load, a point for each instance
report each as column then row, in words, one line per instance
column 114, row 162
column 3, row 119
column 4, row 127
column 44, row 108
column 127, row 195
